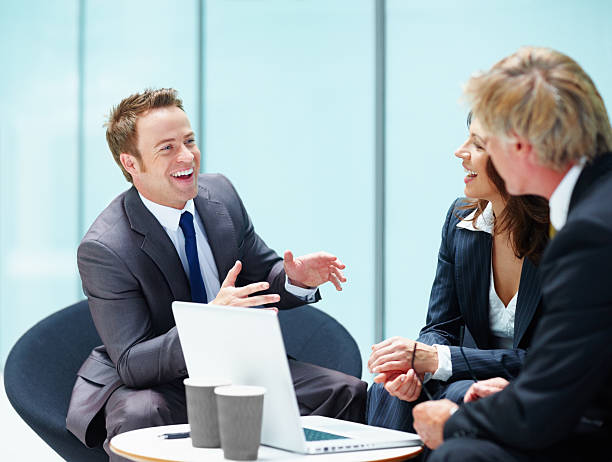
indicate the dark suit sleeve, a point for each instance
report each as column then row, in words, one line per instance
column 485, row 364
column 122, row 318
column 260, row 263
column 571, row 356
column 443, row 316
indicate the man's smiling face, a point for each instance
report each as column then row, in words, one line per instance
column 167, row 170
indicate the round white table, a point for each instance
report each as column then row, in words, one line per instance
column 146, row 445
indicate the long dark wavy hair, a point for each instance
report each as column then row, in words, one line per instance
column 526, row 219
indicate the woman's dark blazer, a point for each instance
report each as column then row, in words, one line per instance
column 460, row 296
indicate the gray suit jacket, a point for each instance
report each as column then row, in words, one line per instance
column 131, row 274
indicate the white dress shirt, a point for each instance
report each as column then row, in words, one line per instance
column 169, row 218
column 501, row 318
column 561, row 196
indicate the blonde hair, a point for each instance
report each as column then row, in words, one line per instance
column 545, row 97
column 121, row 133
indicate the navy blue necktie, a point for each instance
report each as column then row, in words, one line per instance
column 198, row 291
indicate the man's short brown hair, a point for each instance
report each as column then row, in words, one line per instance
column 121, row 133
column 545, row 97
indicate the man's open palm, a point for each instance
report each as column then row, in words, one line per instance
column 314, row 269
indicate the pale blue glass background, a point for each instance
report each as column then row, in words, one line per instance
column 432, row 49
column 288, row 94
column 38, row 163
column 127, row 46
column 130, row 46
column 290, row 120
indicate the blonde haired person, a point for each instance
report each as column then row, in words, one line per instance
column 548, row 133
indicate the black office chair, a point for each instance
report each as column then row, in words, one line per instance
column 41, row 368
column 39, row 374
column 312, row 336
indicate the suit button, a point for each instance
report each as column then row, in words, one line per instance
column 183, row 372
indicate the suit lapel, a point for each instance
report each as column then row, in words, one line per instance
column 591, row 174
column 529, row 296
column 157, row 245
column 473, row 261
column 220, row 231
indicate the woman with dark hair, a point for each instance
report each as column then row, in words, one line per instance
column 486, row 282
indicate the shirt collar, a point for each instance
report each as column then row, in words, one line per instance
column 484, row 222
column 561, row 196
column 168, row 217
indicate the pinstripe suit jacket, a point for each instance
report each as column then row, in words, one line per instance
column 460, row 296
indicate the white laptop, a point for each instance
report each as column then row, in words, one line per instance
column 245, row 345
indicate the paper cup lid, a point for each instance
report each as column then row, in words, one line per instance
column 206, row 382
column 240, row 390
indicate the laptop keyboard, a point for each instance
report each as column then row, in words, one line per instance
column 316, row 435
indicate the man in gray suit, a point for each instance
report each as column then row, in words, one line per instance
column 177, row 235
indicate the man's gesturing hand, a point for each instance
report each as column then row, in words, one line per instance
column 239, row 296
column 314, row 269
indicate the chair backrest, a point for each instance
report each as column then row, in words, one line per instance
column 313, row 336
column 40, row 372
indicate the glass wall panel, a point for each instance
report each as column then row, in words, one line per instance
column 126, row 46
column 433, row 47
column 130, row 46
column 38, row 163
column 290, row 120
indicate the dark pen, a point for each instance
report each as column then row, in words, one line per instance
column 174, row 436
